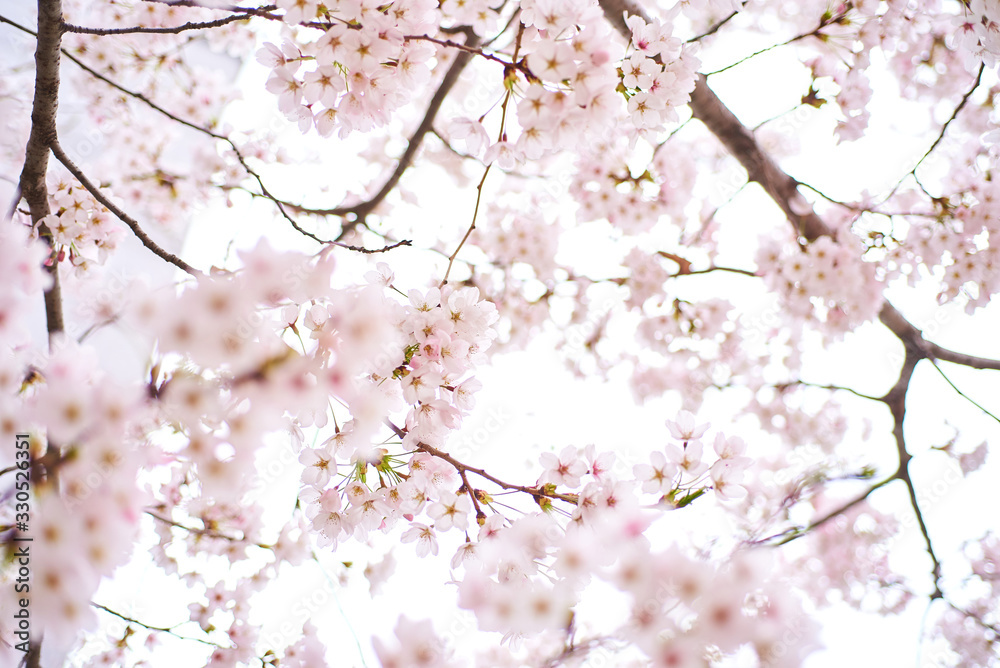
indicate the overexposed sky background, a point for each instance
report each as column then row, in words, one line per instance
column 544, row 407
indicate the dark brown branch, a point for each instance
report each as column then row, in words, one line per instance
column 122, row 216
column 760, row 167
column 895, row 399
column 902, row 328
column 215, row 135
column 359, row 211
column 480, row 515
column 33, row 188
column 43, row 132
column 245, row 16
column 4, row 19
column 33, row 659
column 937, row 352
column 370, row 251
column 710, row 110
column 468, row 48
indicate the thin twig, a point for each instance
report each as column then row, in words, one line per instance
column 246, row 16
column 961, row 393
column 954, row 115
column 468, row 48
column 472, row 225
column 834, row 388
column 824, row 22
column 502, row 136
column 940, row 137
column 164, row 629
column 535, row 492
column 369, row 251
column 713, row 29
column 797, row 532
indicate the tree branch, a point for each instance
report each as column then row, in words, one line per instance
column 713, row 29
column 961, row 393
column 371, row 251
column 710, row 110
column 245, row 16
column 795, row 532
column 954, row 115
column 150, row 627
column 832, row 388
column 43, row 132
column 215, row 135
column 33, row 659
column 360, row 211
column 124, row 217
column 895, row 399
column 536, row 492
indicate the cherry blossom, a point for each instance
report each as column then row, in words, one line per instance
column 476, row 180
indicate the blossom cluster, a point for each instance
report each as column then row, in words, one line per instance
column 442, row 332
column 978, row 31
column 605, row 189
column 825, row 281
column 360, row 73
column 958, row 247
column 679, row 471
column 525, row 579
column 524, row 238
column 659, row 76
column 83, row 231
column 94, row 510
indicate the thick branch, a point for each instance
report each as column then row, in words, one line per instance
column 33, row 659
column 902, row 328
column 783, row 189
column 761, row 168
column 43, row 132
